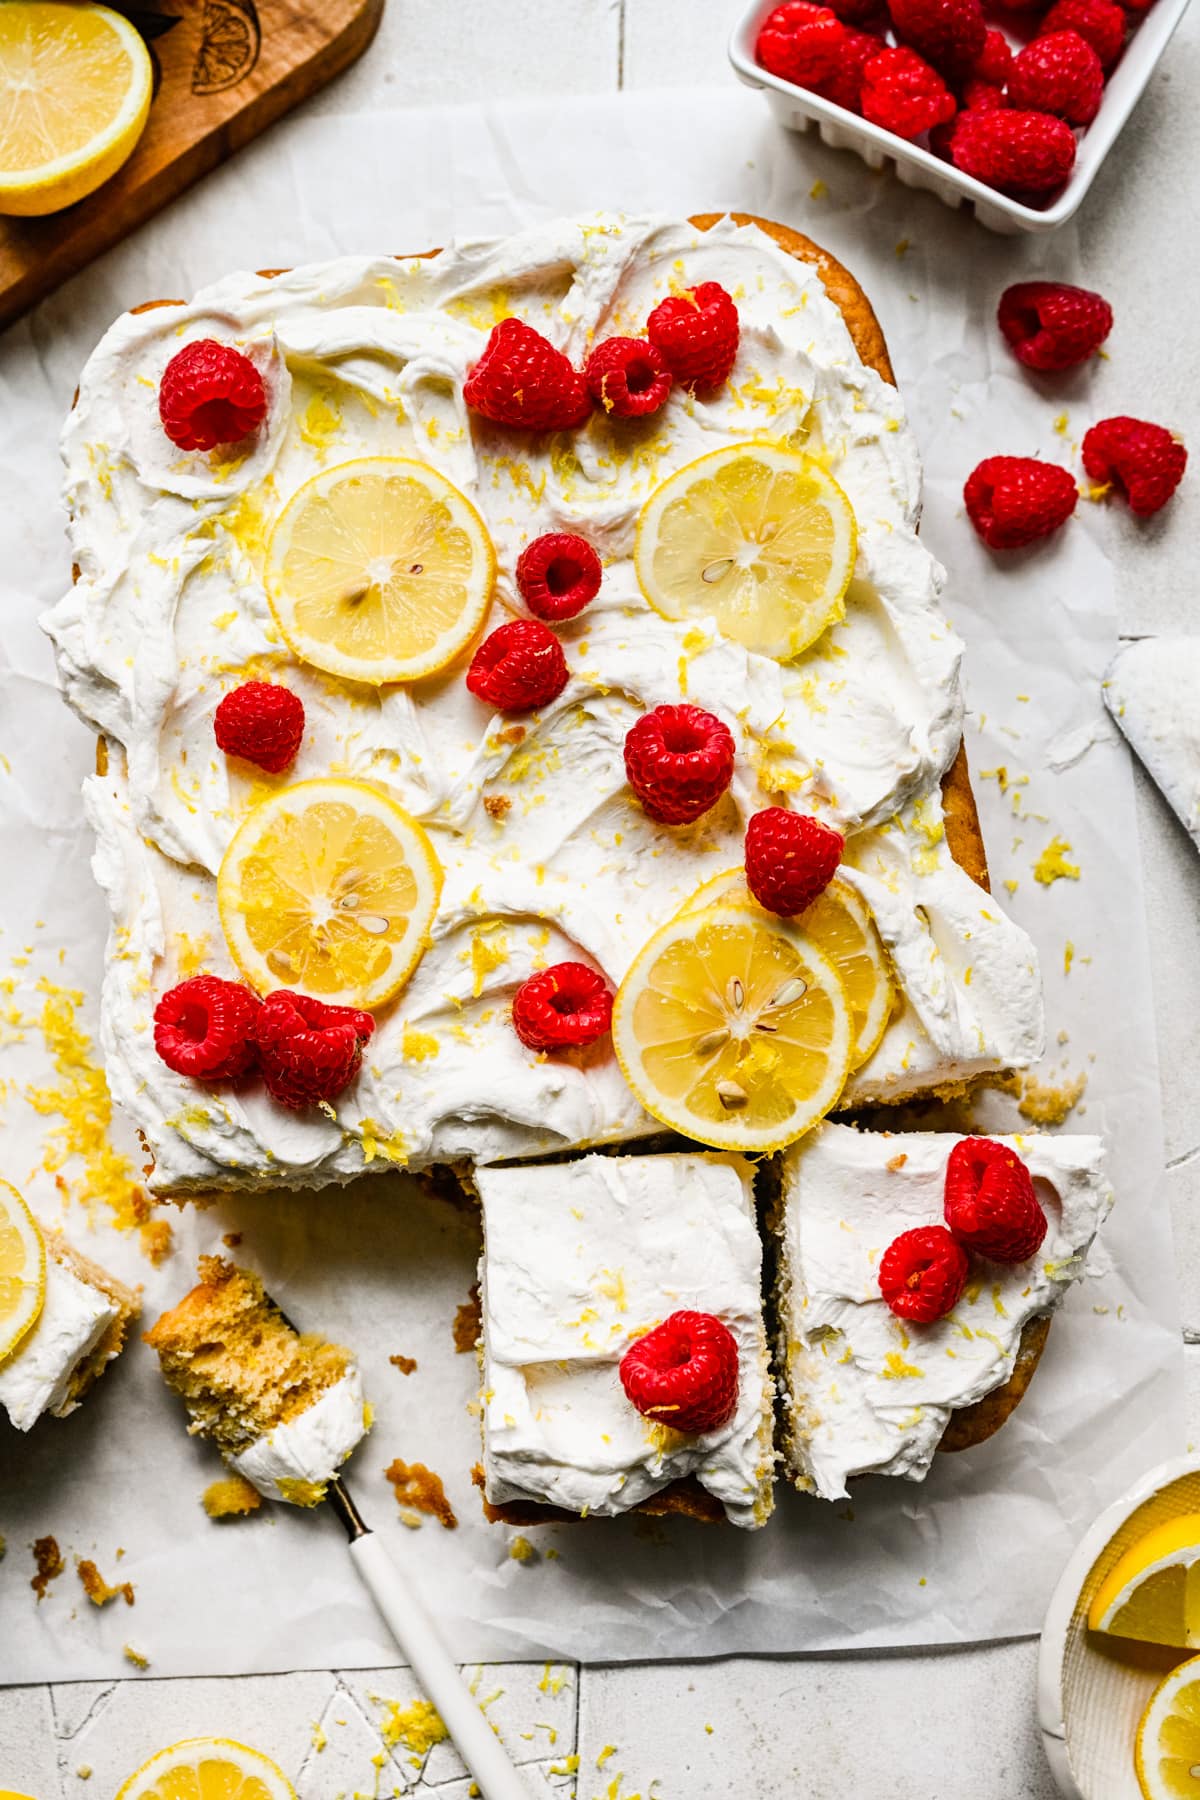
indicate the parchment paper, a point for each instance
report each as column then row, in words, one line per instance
column 974, row 1551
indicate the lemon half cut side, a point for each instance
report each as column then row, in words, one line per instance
column 22, row 1271
column 208, row 1768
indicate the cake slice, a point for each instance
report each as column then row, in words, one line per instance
column 284, row 1410
column 85, row 1319
column 866, row 1392
column 583, row 1260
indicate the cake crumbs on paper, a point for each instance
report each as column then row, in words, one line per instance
column 135, row 1657
column 1054, row 865
column 468, row 1322
column 420, row 1489
column 232, row 1239
column 1049, row 1102
column 48, row 1565
column 897, row 1162
column 233, row 1497
column 406, row 1364
column 84, row 1772
column 99, row 1591
column 522, row 1551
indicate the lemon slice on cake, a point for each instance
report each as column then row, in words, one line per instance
column 329, row 887
column 839, row 922
column 379, row 570
column 208, row 1768
column 22, row 1271
column 1153, row 1592
column 733, row 1028
column 75, row 87
column 1166, row 1754
column 757, row 537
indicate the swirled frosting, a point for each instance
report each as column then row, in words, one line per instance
column 866, row 1392
column 580, row 1259
column 37, row 1378
column 296, row 1460
column 546, row 854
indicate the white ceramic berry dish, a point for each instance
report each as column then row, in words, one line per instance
column 799, row 110
column 1092, row 1691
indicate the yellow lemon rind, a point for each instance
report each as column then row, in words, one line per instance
column 189, row 1752
column 28, row 1315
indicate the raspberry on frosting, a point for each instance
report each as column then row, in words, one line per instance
column 558, row 574
column 990, row 1201
column 790, row 859
column 210, row 394
column 698, row 334
column 523, row 381
column 1146, row 461
column 684, row 1373
column 562, row 1008
column 262, row 722
column 518, row 667
column 1050, row 325
column 922, row 1274
column 308, row 1051
column 679, row 760
column 205, row 1028
column 1013, row 500
column 628, row 377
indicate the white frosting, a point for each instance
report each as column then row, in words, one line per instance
column 868, row 1392
column 73, row 1319
column 310, row 1448
column 1150, row 690
column 368, row 355
column 579, row 1259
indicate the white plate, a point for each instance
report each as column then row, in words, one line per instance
column 798, row 109
column 1092, row 1690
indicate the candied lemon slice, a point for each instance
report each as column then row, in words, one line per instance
column 208, row 1768
column 330, row 887
column 839, row 922
column 1166, row 1753
column 75, row 87
column 759, row 538
column 379, row 570
column 732, row 1027
column 1153, row 1592
column 22, row 1271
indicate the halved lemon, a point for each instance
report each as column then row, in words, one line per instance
column 839, row 922
column 379, row 570
column 1153, row 1592
column 734, row 1028
column 759, row 538
column 330, row 887
column 1166, row 1753
column 75, row 87
column 22, row 1271
column 208, row 1768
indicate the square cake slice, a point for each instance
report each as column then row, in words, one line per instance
column 581, row 1259
column 83, row 1324
column 866, row 1392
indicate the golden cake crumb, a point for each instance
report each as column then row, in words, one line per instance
column 48, row 1564
column 1048, row 1102
column 406, row 1364
column 496, row 805
column 418, row 1487
column 232, row 1498
column 135, row 1657
column 157, row 1240
column 468, row 1322
column 99, row 1591
column 522, row 1551
column 897, row 1162
column 232, row 1239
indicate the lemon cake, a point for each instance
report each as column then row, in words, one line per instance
column 482, row 844
column 80, row 1327
column 869, row 1392
column 284, row 1410
column 584, row 1262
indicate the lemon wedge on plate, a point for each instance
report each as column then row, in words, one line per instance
column 1166, row 1753
column 758, row 538
column 1153, row 1592
column 379, row 570
column 329, row 887
column 733, row 1028
column 75, row 87
column 208, row 1768
column 22, row 1271
column 839, row 922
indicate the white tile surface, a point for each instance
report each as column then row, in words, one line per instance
column 941, row 1725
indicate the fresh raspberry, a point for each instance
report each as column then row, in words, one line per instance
column 1059, row 74
column 802, row 44
column 1144, row 459
column 790, row 859
column 522, row 380
column 308, row 1051
column 684, row 1373
column 261, row 722
column 558, row 575
column 560, row 1007
column 679, row 760
column 1026, row 154
column 901, row 92
column 844, row 86
column 994, row 63
column 210, row 394
column 1011, row 500
column 628, row 377
column 981, row 96
column 991, row 1206
column 1101, row 23
column 867, row 15
column 698, row 334
column 518, row 667
column 948, row 33
column 205, row 1028
column 1051, row 326
column 922, row 1274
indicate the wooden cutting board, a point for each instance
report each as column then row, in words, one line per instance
column 224, row 70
